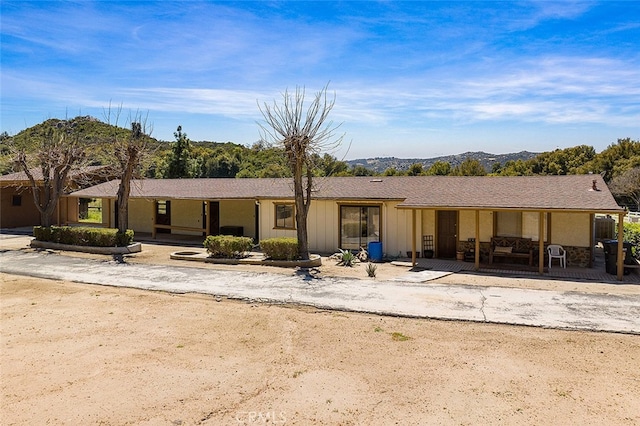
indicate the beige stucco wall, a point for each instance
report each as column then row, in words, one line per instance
column 324, row 222
column 141, row 214
column 531, row 226
column 239, row 213
column 69, row 209
column 186, row 213
column 15, row 216
column 107, row 212
column 467, row 225
column 396, row 230
column 267, row 221
column 571, row 229
column 428, row 222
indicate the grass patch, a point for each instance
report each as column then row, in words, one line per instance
column 399, row 337
column 92, row 217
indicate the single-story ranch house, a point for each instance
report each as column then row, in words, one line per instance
column 446, row 214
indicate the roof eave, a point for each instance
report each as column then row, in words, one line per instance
column 504, row 208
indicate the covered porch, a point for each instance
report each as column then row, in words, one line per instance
column 596, row 273
column 477, row 245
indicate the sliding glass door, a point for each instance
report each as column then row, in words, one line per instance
column 359, row 225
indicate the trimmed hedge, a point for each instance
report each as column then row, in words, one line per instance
column 227, row 246
column 83, row 236
column 280, row 248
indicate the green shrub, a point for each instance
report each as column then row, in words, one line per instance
column 632, row 235
column 280, row 248
column 43, row 233
column 227, row 246
column 83, row 236
column 125, row 238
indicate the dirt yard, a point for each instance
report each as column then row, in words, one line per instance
column 82, row 354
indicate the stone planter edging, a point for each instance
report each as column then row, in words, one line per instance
column 314, row 261
column 131, row 248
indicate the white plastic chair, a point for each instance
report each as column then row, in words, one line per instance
column 556, row 251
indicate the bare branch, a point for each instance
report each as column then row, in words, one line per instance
column 303, row 134
column 55, row 155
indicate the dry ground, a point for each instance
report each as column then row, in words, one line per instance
column 82, row 354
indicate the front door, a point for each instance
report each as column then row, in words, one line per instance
column 163, row 215
column 214, row 217
column 447, row 233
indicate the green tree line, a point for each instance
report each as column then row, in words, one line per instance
column 183, row 158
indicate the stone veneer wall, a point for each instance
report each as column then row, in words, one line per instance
column 576, row 256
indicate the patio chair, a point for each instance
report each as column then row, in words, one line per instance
column 556, row 251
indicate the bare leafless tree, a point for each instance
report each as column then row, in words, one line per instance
column 302, row 132
column 48, row 161
column 129, row 153
column 627, row 185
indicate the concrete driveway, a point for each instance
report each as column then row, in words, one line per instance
column 541, row 308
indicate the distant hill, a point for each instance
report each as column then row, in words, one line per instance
column 380, row 164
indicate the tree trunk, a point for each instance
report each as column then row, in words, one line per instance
column 123, row 205
column 301, row 209
column 46, row 214
column 124, row 190
column 46, row 197
column 301, row 229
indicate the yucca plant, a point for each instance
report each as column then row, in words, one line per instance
column 347, row 258
column 371, row 269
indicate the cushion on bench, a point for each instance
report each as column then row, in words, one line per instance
column 514, row 247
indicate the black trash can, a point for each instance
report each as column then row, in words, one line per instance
column 611, row 256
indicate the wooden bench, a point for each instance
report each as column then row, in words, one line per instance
column 631, row 263
column 511, row 248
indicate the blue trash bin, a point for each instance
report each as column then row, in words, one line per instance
column 375, row 251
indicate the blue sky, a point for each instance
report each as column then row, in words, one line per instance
column 411, row 79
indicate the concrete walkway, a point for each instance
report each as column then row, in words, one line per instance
column 542, row 308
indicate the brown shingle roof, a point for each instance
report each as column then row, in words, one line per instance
column 573, row 192
column 37, row 174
